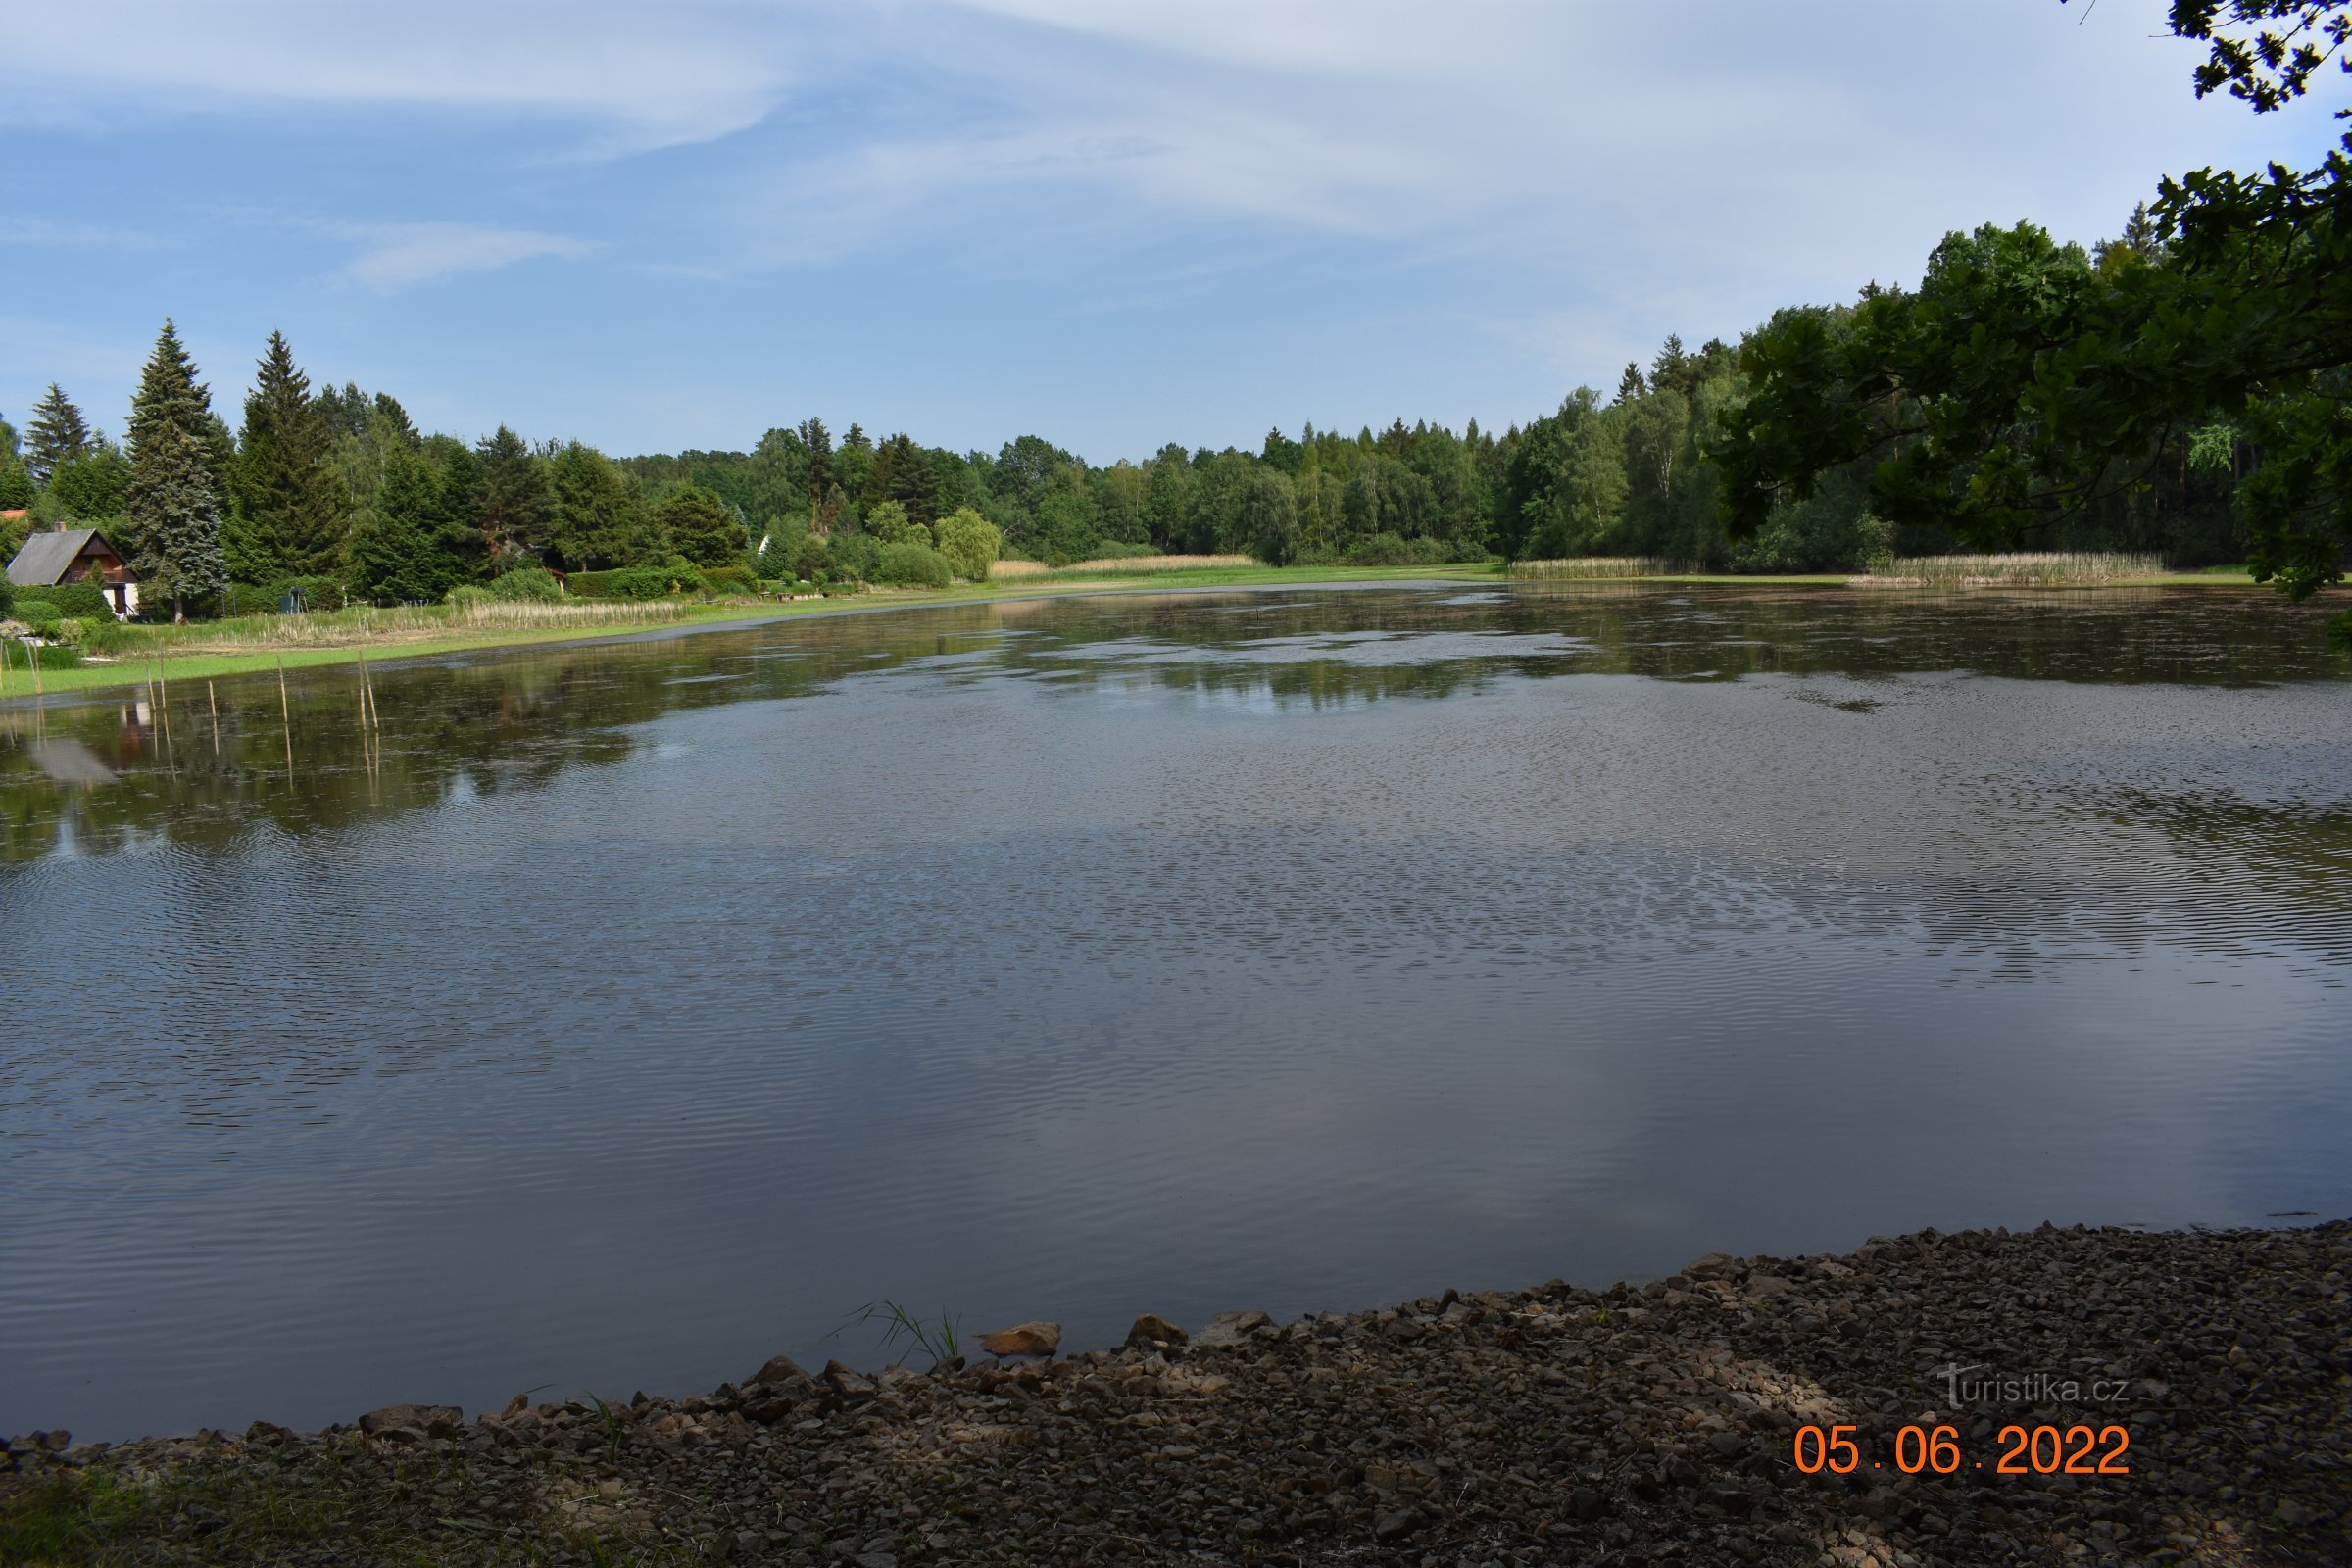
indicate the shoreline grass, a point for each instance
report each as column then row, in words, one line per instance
column 200, row 651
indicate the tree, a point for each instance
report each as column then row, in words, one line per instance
column 889, row 522
column 174, row 507
column 902, row 473
column 392, row 544
column 291, row 511
column 17, row 491
column 92, row 486
column 2021, row 386
column 58, row 434
column 970, row 542
column 600, row 518
column 703, row 528
column 1266, row 516
column 515, row 504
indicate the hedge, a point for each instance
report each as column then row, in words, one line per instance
column 635, row 582
column 730, row 580
column 83, row 599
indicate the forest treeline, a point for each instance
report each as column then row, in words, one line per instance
column 338, row 484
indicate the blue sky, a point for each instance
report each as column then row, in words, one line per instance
column 1111, row 223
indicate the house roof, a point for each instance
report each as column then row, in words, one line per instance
column 46, row 556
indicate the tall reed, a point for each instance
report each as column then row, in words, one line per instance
column 1580, row 568
column 2041, row 570
column 1117, row 567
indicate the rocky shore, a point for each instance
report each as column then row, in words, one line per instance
column 1632, row 1426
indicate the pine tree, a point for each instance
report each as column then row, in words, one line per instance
column 291, row 509
column 173, row 501
column 16, row 485
column 58, row 434
column 1629, row 386
column 516, row 506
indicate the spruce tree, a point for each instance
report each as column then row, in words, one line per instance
column 58, row 434
column 515, row 503
column 290, row 506
column 173, row 503
column 16, row 485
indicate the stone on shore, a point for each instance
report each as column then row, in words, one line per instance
column 1023, row 1339
column 1229, row 1329
column 1154, row 1332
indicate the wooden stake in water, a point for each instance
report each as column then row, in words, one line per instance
column 215, row 699
column 285, row 715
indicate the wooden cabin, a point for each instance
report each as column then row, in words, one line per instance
column 76, row 554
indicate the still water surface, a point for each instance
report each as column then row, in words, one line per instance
column 633, row 1011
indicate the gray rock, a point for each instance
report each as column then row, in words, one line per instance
column 1229, row 1329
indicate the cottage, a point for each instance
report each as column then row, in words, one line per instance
column 76, row 554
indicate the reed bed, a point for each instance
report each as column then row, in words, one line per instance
column 1580, row 568
column 2044, row 570
column 1118, row 566
column 364, row 623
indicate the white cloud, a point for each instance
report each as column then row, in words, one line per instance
column 400, row 255
column 642, row 76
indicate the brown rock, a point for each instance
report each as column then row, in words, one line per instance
column 432, row 1420
column 779, row 1369
column 1023, row 1339
column 1151, row 1331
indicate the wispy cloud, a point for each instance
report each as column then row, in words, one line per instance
column 635, row 77
column 401, row 254
column 49, row 232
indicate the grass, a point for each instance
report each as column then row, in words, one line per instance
column 1577, row 568
column 1112, row 567
column 936, row 1339
column 2045, row 570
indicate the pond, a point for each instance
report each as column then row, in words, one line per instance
column 618, row 1015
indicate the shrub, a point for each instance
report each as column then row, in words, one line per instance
column 910, row 565
column 1393, row 550
column 470, row 593
column 636, row 582
column 251, row 598
column 82, row 599
column 731, row 580
column 8, row 594
column 39, row 614
column 970, row 542
column 525, row 582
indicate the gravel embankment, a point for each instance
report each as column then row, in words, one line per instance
column 1630, row 1426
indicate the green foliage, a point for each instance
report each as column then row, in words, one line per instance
column 730, row 580
column 703, row 528
column 811, row 561
column 2021, row 391
column 1391, row 550
column 526, row 583
column 41, row 614
column 516, row 508
column 970, row 542
column 290, row 511
column 8, row 595
column 909, row 565
column 173, row 497
column 888, row 522
column 57, row 435
column 16, row 486
column 1266, row 516
column 599, row 518
column 635, row 582
column 70, row 598
column 94, row 486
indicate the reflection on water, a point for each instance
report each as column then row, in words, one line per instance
column 623, row 1013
